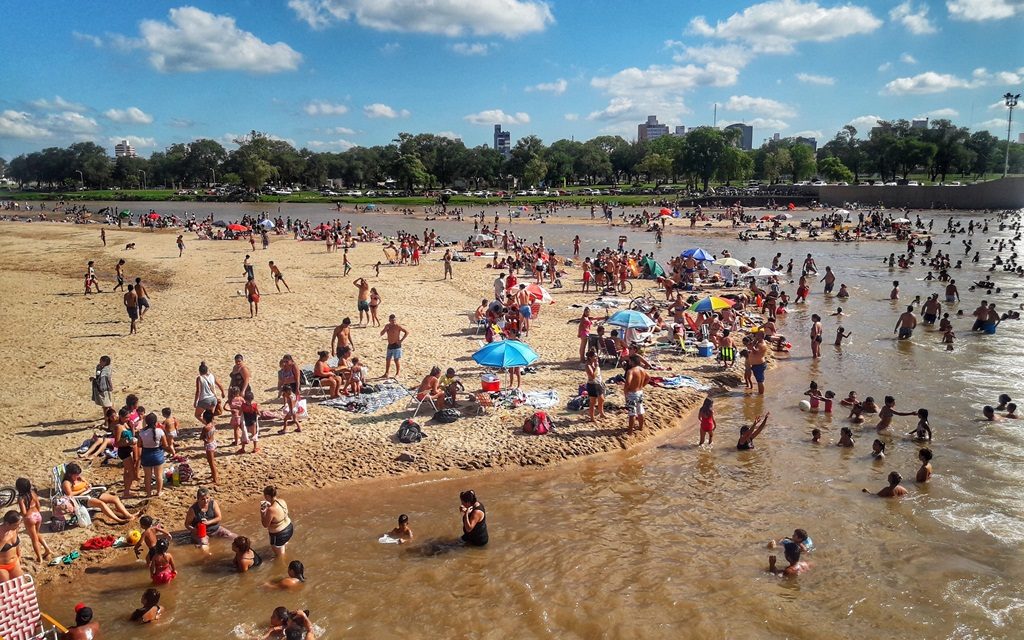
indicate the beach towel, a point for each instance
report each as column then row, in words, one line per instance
column 97, row 543
column 541, row 399
column 678, row 382
column 387, row 394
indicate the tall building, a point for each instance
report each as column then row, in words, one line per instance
column 680, row 131
column 775, row 136
column 124, row 150
column 919, row 124
column 746, row 141
column 502, row 141
column 651, row 130
column 1020, row 138
column 810, row 142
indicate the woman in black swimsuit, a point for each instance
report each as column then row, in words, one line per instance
column 10, row 554
column 747, row 434
column 474, row 516
column 245, row 556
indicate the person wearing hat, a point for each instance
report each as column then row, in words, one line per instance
column 85, row 627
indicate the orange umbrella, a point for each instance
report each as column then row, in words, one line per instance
column 237, row 227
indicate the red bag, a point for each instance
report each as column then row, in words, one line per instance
column 538, row 424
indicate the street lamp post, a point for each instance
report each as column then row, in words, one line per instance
column 143, row 179
column 214, row 172
column 1011, row 102
column 80, row 176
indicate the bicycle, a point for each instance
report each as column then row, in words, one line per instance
column 7, row 496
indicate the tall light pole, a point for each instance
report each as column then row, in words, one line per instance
column 214, row 172
column 1011, row 102
column 80, row 176
column 143, row 179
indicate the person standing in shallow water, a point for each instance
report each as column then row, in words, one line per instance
column 474, row 516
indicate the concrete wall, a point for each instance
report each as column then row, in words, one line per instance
column 1006, row 193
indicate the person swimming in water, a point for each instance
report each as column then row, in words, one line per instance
column 878, row 449
column 747, row 434
column 296, row 577
column 887, row 413
column 924, row 474
column 894, row 490
column 793, row 548
column 402, row 532
column 845, row 437
column 922, row 431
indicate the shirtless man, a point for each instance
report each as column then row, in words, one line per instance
column 931, row 309
column 906, row 324
column 363, row 299
column 895, row 293
column 980, row 315
column 430, row 387
column 894, row 490
column 342, row 338
column 636, row 380
column 143, row 295
column 829, row 280
column 396, row 334
column 278, row 277
column 448, row 265
column 758, row 351
column 809, row 265
column 252, row 294
column 952, row 294
column 131, row 305
column 85, row 627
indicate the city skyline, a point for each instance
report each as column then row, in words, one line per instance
column 332, row 74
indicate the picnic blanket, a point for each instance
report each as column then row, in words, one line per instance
column 389, row 392
column 542, row 399
column 678, row 382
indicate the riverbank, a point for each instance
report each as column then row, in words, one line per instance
column 55, row 334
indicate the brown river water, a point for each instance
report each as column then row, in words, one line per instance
column 668, row 540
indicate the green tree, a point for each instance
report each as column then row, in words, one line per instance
column 703, row 151
column 202, row 159
column 657, row 167
column 833, row 169
column 804, row 164
column 777, row 163
column 735, row 164
column 534, row 171
column 409, row 171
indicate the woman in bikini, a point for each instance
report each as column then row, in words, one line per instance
column 323, row 372
column 274, row 516
column 28, row 505
column 245, row 556
column 74, row 485
column 10, row 552
column 374, row 303
column 103, row 441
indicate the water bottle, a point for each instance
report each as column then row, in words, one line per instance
column 176, row 477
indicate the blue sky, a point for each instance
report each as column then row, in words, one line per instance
column 329, row 74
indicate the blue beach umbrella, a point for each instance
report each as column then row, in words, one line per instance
column 698, row 254
column 267, row 224
column 371, row 207
column 629, row 319
column 505, row 354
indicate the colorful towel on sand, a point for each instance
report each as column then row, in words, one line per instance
column 541, row 399
column 678, row 382
column 389, row 393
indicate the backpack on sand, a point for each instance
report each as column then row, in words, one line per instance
column 410, row 432
column 447, row 415
column 538, row 424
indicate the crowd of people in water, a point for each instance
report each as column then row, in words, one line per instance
column 147, row 442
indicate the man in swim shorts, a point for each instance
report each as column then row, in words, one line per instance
column 758, row 351
column 396, row 334
column 931, row 309
column 363, row 299
column 636, row 380
column 131, row 305
column 143, row 295
column 952, row 294
column 906, row 324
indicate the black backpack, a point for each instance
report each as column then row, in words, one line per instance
column 447, row 415
column 410, row 432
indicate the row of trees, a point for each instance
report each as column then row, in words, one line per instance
column 893, row 149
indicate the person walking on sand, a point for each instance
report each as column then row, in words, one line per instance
column 595, row 386
column 181, row 245
column 131, row 305
column 247, row 267
column 205, row 396
column 906, row 324
column 143, row 296
column 342, row 338
column 103, row 236
column 102, row 385
column 278, row 277
column 252, row 294
column 636, row 380
column 448, row 265
column 363, row 299
column 374, row 303
column 346, row 263
column 119, row 272
column 396, row 334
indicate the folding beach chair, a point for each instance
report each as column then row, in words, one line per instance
column 415, row 403
column 57, row 492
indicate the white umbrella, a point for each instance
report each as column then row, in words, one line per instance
column 480, row 237
column 761, row 272
column 842, row 212
column 901, row 221
column 729, row 262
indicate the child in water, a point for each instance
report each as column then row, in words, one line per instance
column 296, row 577
column 878, row 449
column 815, row 436
column 924, row 474
column 161, row 564
column 948, row 337
column 707, row 421
column 894, row 490
column 840, row 335
column 402, row 532
column 845, row 437
column 150, row 609
column 923, row 431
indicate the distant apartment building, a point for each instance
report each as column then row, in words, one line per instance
column 651, row 130
column 124, row 150
column 680, row 131
column 810, row 142
column 1020, row 138
column 776, row 136
column 919, row 124
column 746, row 141
column 502, row 141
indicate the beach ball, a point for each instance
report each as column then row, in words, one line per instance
column 134, row 536
column 805, row 405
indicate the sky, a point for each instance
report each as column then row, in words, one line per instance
column 332, row 74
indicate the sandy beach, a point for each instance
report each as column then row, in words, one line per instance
column 54, row 336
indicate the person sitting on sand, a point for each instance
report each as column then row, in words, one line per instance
column 73, row 484
column 430, row 388
column 323, row 372
column 356, row 378
column 451, row 386
column 894, row 490
column 402, row 532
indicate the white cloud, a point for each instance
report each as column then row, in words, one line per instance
column 194, row 40
column 339, row 131
column 390, row 47
column 982, row 77
column 995, row 124
column 340, row 144
column 381, row 110
column 505, row 18
column 451, row 135
column 810, row 78
column 761, row 106
column 863, row 124
column 941, row 113
column 181, row 123
column 982, row 10
column 915, row 19
column 778, row 25
column 472, row 48
column 885, row 66
column 19, row 124
column 774, row 124
column 572, row 117
column 557, row 87
column 324, row 108
column 809, row 133
column 57, row 104
column 922, row 83
column 906, row 58
column 136, row 141
column 71, row 122
column 736, row 55
column 132, row 115
column 95, row 41
column 497, row 116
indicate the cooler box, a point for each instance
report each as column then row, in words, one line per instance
column 705, row 349
column 490, row 382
